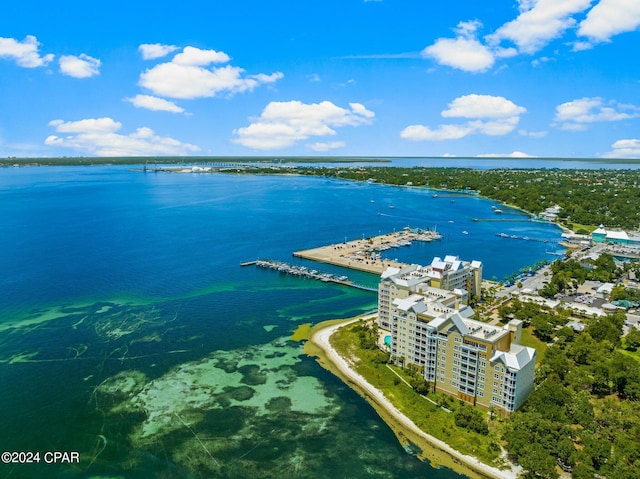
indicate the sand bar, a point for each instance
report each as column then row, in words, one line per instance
column 437, row 451
column 364, row 254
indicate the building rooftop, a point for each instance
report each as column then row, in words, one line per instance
column 599, row 231
column 407, row 277
column 617, row 235
column 483, row 331
column 516, row 358
column 466, row 326
column 414, row 274
column 418, row 304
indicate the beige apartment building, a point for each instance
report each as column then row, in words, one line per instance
column 432, row 330
column 461, row 279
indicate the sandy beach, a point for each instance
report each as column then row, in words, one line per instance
column 401, row 424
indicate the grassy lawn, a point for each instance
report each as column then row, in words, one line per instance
column 578, row 226
column 633, row 354
column 429, row 417
column 528, row 339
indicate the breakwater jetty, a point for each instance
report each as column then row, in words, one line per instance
column 304, row 272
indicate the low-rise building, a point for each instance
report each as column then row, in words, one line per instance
column 602, row 235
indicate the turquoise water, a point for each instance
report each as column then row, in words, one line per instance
column 130, row 333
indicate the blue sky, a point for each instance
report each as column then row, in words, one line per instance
column 514, row 78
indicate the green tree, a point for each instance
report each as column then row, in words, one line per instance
column 419, row 384
column 538, row 462
column 555, row 361
column 607, row 328
column 543, row 329
column 632, row 340
column 471, row 418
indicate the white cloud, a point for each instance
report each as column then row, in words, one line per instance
column 187, row 76
column 482, row 106
column 196, row 56
column 461, row 53
column 151, row 51
column 486, row 114
column 533, row 134
column 442, row 132
column 99, row 137
column 608, row 18
column 332, row 145
column 497, row 127
column 580, row 46
column 25, row 53
column 82, row 66
column 282, row 124
column 464, row 52
column 624, row 149
column 360, row 109
column 539, row 22
column 500, row 52
column 154, row 103
column 515, row 154
column 576, row 114
column 536, row 62
column 90, row 125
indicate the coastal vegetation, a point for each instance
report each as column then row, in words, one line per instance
column 539, row 318
column 475, row 433
column 583, row 417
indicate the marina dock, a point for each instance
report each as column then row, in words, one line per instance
column 524, row 238
column 364, row 254
column 304, row 272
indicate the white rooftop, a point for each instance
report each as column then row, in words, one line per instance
column 617, row 235
column 516, row 358
column 600, row 231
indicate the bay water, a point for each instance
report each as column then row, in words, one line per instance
column 130, row 333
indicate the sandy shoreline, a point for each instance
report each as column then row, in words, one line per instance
column 401, row 424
